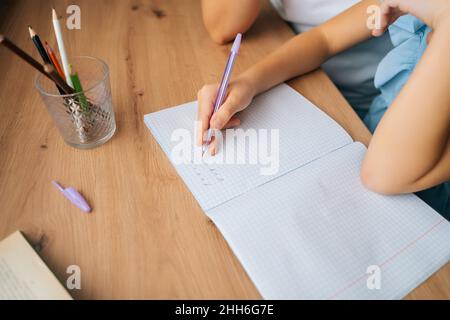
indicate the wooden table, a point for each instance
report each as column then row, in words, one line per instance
column 147, row 237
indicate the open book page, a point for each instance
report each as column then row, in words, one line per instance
column 280, row 132
column 317, row 233
column 23, row 275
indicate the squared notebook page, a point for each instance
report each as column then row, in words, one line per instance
column 23, row 275
column 313, row 233
column 305, row 134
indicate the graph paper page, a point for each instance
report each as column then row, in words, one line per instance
column 305, row 133
column 313, row 234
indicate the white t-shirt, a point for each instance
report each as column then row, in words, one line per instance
column 352, row 71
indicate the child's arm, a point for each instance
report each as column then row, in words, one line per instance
column 225, row 18
column 410, row 150
column 302, row 54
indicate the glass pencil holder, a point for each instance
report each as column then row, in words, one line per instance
column 84, row 119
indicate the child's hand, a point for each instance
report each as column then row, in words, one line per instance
column 240, row 95
column 431, row 12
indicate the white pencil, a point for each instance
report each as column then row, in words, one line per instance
column 62, row 48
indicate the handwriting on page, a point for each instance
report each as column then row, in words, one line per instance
column 207, row 175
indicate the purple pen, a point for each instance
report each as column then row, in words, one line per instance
column 224, row 85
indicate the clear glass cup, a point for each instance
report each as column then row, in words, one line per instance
column 85, row 120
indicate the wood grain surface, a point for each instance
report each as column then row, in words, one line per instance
column 147, row 237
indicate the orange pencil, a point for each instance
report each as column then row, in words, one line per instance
column 54, row 60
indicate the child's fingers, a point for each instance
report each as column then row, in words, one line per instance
column 234, row 122
column 389, row 13
column 213, row 145
column 206, row 98
column 382, row 22
column 431, row 12
column 220, row 119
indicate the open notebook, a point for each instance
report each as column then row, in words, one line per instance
column 23, row 275
column 311, row 230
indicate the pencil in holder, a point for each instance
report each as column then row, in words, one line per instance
column 85, row 119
